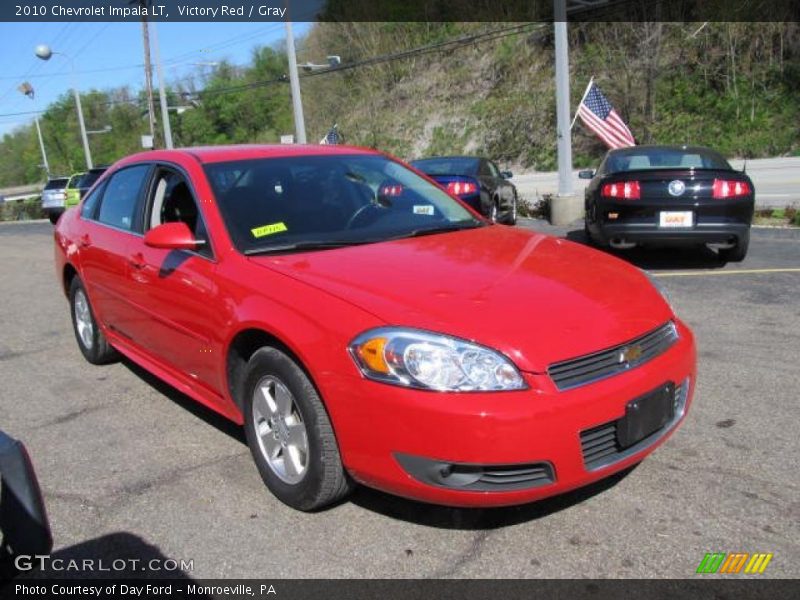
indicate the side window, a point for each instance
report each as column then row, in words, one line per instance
column 89, row 208
column 493, row 170
column 172, row 201
column 483, row 169
column 122, row 193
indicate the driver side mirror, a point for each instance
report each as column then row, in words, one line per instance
column 172, row 236
column 506, row 174
column 587, row 174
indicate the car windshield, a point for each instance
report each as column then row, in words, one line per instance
column 637, row 159
column 56, row 184
column 447, row 166
column 275, row 205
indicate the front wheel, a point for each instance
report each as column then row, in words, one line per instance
column 92, row 342
column 290, row 435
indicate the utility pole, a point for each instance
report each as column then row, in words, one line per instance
column 565, row 207
column 162, row 93
column 562, row 100
column 148, row 76
column 294, row 82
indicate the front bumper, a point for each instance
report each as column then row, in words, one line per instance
column 531, row 438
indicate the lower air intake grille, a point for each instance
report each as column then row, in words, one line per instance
column 579, row 371
column 600, row 445
column 477, row 478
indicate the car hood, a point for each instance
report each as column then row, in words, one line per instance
column 534, row 297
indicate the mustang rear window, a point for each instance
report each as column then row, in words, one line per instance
column 637, row 159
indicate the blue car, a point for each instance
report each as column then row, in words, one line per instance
column 476, row 181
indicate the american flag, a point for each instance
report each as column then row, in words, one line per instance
column 332, row 137
column 598, row 115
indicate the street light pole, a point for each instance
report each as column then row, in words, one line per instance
column 44, row 52
column 27, row 89
column 41, row 146
column 294, row 81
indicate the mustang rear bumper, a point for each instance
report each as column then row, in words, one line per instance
column 503, row 448
column 715, row 233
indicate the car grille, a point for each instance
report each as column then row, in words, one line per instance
column 600, row 445
column 599, row 365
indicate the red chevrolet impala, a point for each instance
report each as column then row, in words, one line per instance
column 365, row 326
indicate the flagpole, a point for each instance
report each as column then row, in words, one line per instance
column 586, row 93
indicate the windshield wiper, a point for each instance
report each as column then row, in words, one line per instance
column 441, row 229
column 305, row 245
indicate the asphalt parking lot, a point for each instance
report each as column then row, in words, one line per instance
column 132, row 469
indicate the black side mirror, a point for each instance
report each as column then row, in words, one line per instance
column 587, row 174
column 506, row 174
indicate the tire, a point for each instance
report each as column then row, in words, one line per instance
column 738, row 252
column 290, row 435
column 511, row 216
column 53, row 217
column 494, row 211
column 91, row 341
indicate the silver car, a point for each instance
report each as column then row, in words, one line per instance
column 53, row 197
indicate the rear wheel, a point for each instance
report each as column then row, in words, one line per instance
column 290, row 435
column 738, row 252
column 53, row 217
column 93, row 344
column 495, row 210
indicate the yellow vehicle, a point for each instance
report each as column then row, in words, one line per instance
column 73, row 194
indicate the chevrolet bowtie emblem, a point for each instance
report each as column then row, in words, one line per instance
column 630, row 354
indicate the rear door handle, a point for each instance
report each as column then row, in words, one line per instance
column 137, row 261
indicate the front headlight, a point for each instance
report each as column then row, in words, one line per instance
column 418, row 359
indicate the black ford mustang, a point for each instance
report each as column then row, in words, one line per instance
column 669, row 195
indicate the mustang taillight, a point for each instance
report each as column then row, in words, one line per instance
column 725, row 188
column 627, row 190
column 462, row 188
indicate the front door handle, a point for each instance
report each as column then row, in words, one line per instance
column 84, row 241
column 137, row 261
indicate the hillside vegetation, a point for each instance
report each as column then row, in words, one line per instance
column 732, row 86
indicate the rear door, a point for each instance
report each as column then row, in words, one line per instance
column 109, row 226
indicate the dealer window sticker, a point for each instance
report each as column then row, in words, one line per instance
column 423, row 209
column 271, row 229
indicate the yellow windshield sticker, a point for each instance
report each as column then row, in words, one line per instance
column 265, row 230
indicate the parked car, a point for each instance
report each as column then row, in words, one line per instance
column 364, row 326
column 53, row 197
column 669, row 195
column 476, row 181
column 73, row 194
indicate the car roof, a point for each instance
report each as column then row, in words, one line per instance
column 213, row 154
column 459, row 156
column 673, row 147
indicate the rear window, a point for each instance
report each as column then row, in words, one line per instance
column 90, row 177
column 447, row 166
column 639, row 159
column 75, row 182
column 56, row 184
